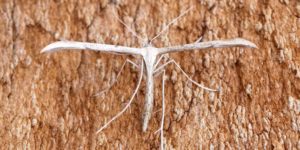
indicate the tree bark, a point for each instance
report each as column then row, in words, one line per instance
column 50, row 101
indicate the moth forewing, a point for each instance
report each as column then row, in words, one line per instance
column 66, row 45
column 236, row 42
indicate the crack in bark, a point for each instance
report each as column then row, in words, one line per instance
column 13, row 27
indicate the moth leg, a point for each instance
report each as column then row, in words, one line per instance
column 185, row 74
column 129, row 102
column 119, row 73
column 163, row 112
column 161, row 128
column 158, row 73
column 159, row 59
column 199, row 40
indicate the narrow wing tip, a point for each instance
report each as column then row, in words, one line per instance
column 45, row 49
column 51, row 47
column 246, row 43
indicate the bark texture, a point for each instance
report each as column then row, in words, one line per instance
column 47, row 101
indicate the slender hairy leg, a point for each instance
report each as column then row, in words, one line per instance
column 185, row 74
column 119, row 73
column 163, row 112
column 159, row 59
column 158, row 73
column 130, row 101
column 161, row 128
column 198, row 40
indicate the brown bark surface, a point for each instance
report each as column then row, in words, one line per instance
column 47, row 101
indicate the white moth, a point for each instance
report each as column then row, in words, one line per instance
column 150, row 55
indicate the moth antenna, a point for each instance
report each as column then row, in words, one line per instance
column 170, row 23
column 128, row 28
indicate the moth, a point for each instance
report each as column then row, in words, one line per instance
column 150, row 54
column 150, row 59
